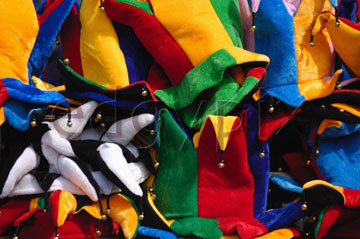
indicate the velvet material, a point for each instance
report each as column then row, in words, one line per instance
column 177, row 172
column 298, row 167
column 18, row 38
column 156, row 233
column 70, row 40
column 286, row 183
column 347, row 9
column 11, row 211
column 200, row 227
column 349, row 33
column 284, row 233
column 61, row 204
column 244, row 227
column 152, row 35
column 245, row 13
column 50, row 22
column 224, row 183
column 75, row 227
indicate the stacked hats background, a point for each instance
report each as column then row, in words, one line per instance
column 179, row 119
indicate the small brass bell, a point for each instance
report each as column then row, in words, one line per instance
column 103, row 217
column 98, row 232
column 33, row 123
column 151, row 189
column 98, row 116
column 144, row 92
column 317, row 151
column 69, row 123
column 262, row 154
column 152, row 132
column 156, row 164
column 304, row 207
column 323, row 107
column 57, row 43
column 96, row 120
column 307, row 234
column 341, row 110
column 308, row 162
column 102, row 125
column 15, row 237
column 66, row 61
column 269, row 190
column 337, row 24
column 102, row 9
column 253, row 28
column 221, row 164
column 108, row 211
column 153, row 196
column 271, row 109
column 56, row 237
column 338, row 86
column 141, row 216
column 311, row 43
column 279, row 169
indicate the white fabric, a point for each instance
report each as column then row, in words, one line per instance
column 139, row 171
column 26, row 162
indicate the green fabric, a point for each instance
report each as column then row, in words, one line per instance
column 206, row 75
column 176, row 178
column 201, row 227
column 229, row 14
column 68, row 68
column 227, row 95
column 139, row 4
column 42, row 203
column 318, row 225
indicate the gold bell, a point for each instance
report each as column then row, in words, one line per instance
column 311, row 43
column 323, row 107
column 151, row 189
column 144, row 92
column 96, row 120
column 66, row 61
column 337, row 24
column 262, row 154
column 141, row 216
column 156, row 164
column 152, row 132
column 221, row 164
column 33, row 123
column 271, row 109
column 338, row 86
column 269, row 190
column 308, row 162
column 69, row 123
column 304, row 207
column 108, row 211
column 279, row 169
column 98, row 232
column 341, row 110
column 57, row 43
column 15, row 237
column 317, row 151
column 102, row 125
column 56, row 237
column 103, row 217
column 98, row 116
column 102, row 9
column 253, row 28
column 307, row 234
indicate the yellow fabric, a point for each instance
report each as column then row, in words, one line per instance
column 346, row 40
column 278, row 234
column 327, row 123
column 321, row 182
column 318, row 88
column 348, row 108
column 123, row 213
column 222, row 126
column 194, row 25
column 67, row 205
column 2, row 116
column 102, row 59
column 313, row 63
column 92, row 209
column 243, row 56
column 230, row 237
column 33, row 203
column 38, row 83
column 151, row 202
column 19, row 28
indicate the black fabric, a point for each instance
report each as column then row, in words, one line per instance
column 321, row 194
column 44, row 178
column 35, row 135
column 345, row 96
column 311, row 113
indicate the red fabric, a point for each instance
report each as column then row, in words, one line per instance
column 347, row 226
column 273, row 121
column 75, row 227
column 258, row 72
column 26, row 216
column 358, row 8
column 11, row 211
column 228, row 191
column 352, row 198
column 70, row 40
column 296, row 163
column 154, row 37
column 138, row 83
column 48, row 11
column 4, row 94
column 246, row 228
column 54, row 201
column 331, row 215
column 157, row 78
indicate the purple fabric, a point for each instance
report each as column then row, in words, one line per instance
column 292, row 6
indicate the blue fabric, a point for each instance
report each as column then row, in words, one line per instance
column 156, row 233
column 334, row 3
column 18, row 115
column 52, row 74
column 46, row 38
column 347, row 9
column 286, row 183
column 105, row 99
column 274, row 37
column 38, row 4
column 259, row 166
column 30, row 94
column 283, row 217
column 345, row 129
column 138, row 61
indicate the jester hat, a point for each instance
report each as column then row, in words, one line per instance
column 180, row 57
column 297, row 72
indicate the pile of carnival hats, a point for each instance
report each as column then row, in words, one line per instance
column 179, row 119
